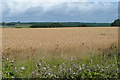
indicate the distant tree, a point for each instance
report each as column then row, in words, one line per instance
column 116, row 23
column 3, row 23
column 56, row 25
column 38, row 26
column 10, row 24
column 82, row 25
column 18, row 22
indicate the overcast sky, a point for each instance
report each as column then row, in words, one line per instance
column 59, row 10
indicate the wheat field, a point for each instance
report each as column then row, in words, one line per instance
column 60, row 40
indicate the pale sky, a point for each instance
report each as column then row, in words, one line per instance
column 60, row 0
column 59, row 10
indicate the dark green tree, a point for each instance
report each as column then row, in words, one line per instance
column 3, row 23
column 116, row 23
column 38, row 26
column 56, row 25
column 82, row 25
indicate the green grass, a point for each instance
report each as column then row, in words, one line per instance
column 103, row 65
column 105, row 68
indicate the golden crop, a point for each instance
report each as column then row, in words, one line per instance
column 56, row 41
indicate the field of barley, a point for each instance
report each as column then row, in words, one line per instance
column 27, row 52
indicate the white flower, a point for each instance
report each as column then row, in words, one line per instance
column 22, row 68
column 60, row 66
column 54, row 66
column 63, row 63
column 37, row 74
column 91, row 60
column 83, row 65
column 107, row 67
column 49, row 73
column 38, row 65
column 48, row 65
column 15, row 69
column 44, row 68
column 71, row 58
column 7, row 59
column 80, row 68
column 89, row 70
column 13, row 77
column 102, row 69
column 74, row 73
column 12, row 61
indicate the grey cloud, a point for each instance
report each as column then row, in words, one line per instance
column 64, row 12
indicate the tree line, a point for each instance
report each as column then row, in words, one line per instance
column 58, row 24
column 54, row 25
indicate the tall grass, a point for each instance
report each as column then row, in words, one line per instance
column 90, row 64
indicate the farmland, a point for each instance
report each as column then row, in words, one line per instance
column 24, row 48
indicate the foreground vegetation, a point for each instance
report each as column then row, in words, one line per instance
column 101, row 65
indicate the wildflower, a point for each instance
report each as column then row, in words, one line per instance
column 74, row 73
column 48, row 67
column 118, row 70
column 7, row 59
column 97, row 65
column 11, row 61
column 72, row 77
column 49, row 73
column 22, row 68
column 107, row 67
column 63, row 63
column 83, row 65
column 37, row 74
column 116, row 62
column 102, row 69
column 13, row 77
column 71, row 58
column 91, row 60
column 61, row 67
column 33, row 72
column 89, row 70
column 44, row 68
column 80, row 68
column 38, row 65
column 54, row 66
column 15, row 69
